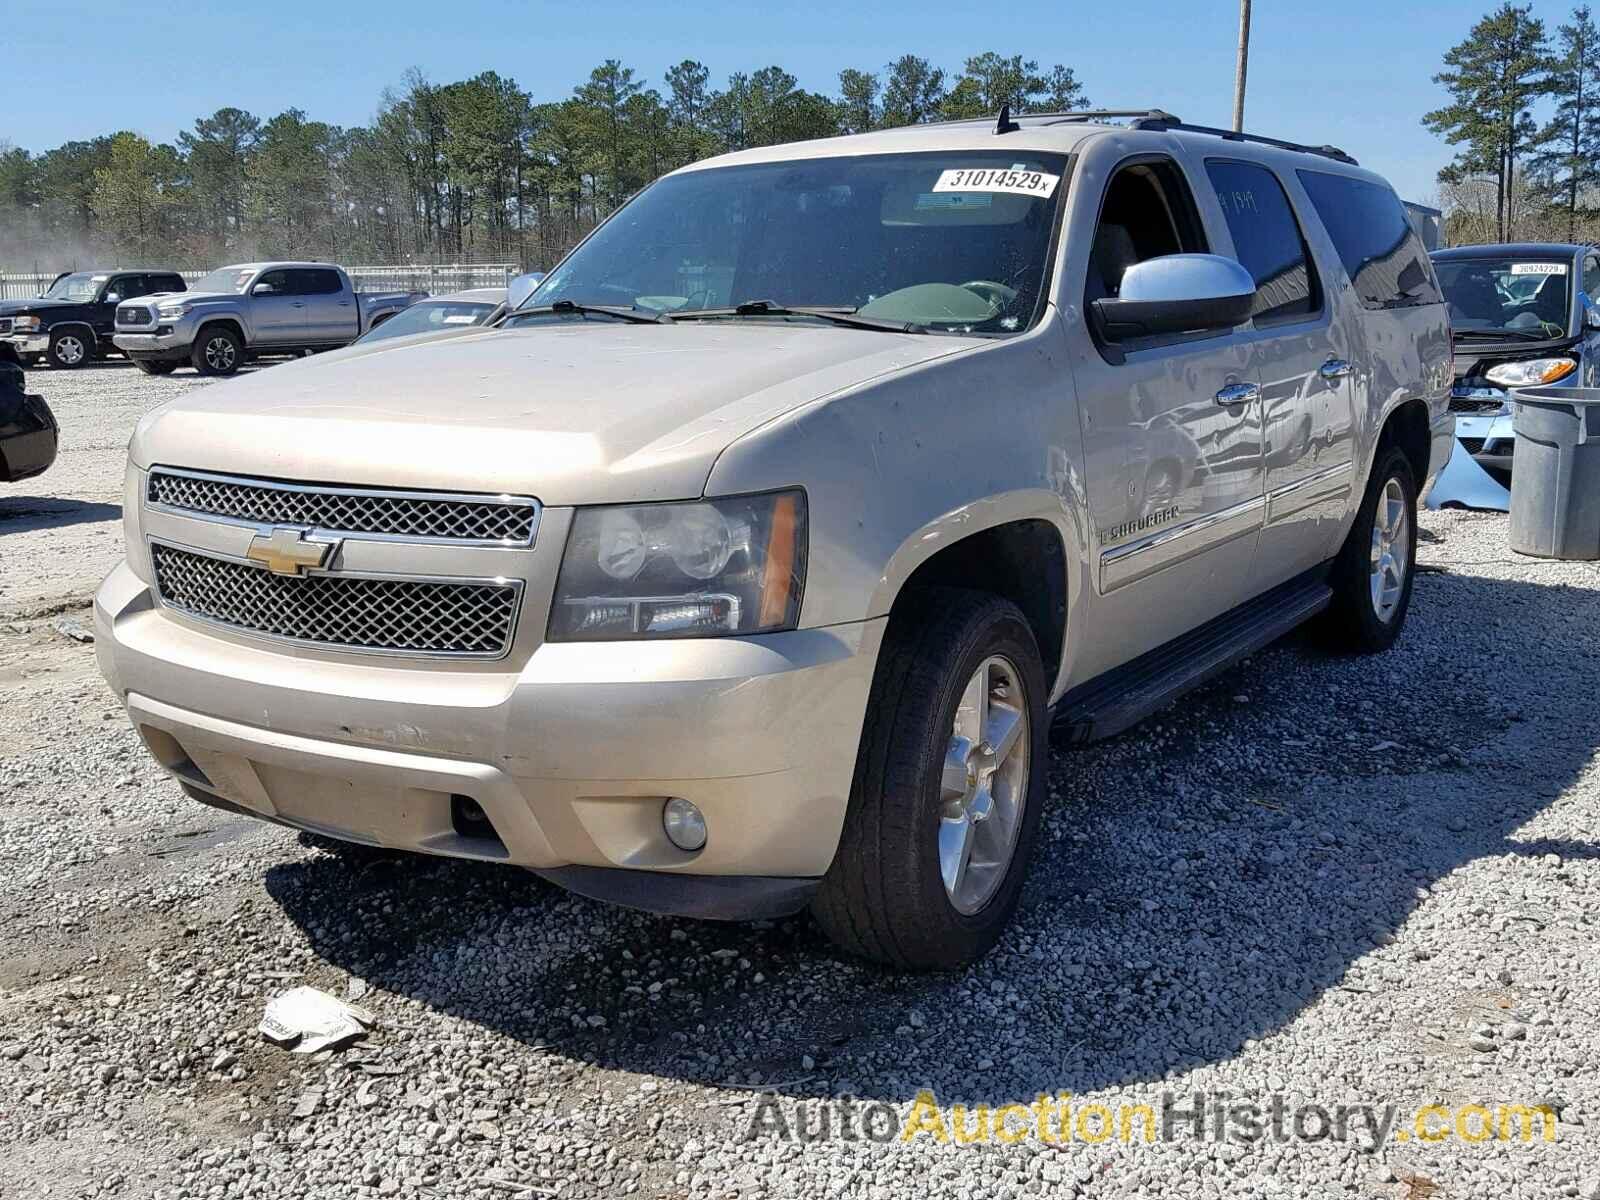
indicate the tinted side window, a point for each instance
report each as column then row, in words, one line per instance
column 1267, row 239
column 166, row 283
column 126, row 287
column 1381, row 252
column 278, row 281
column 316, row 281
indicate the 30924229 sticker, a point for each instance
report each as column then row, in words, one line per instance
column 1539, row 268
column 997, row 179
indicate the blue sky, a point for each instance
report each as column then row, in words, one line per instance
column 1356, row 73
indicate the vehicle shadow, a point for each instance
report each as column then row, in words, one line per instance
column 19, row 514
column 1199, row 882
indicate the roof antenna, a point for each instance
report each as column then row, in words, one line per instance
column 1005, row 124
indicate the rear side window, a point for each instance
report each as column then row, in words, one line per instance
column 166, row 283
column 316, row 281
column 1267, row 239
column 1380, row 250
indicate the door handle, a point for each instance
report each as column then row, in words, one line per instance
column 299, row 304
column 1239, row 393
column 1334, row 368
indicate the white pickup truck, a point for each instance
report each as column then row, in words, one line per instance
column 249, row 310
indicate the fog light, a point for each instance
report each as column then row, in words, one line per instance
column 684, row 823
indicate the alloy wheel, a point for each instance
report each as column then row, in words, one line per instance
column 1391, row 550
column 984, row 785
column 69, row 350
column 219, row 354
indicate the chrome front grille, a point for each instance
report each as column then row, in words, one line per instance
column 358, row 512
column 435, row 617
column 5, row 324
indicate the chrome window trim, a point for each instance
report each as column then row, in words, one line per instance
column 1132, row 561
column 195, row 514
column 273, row 639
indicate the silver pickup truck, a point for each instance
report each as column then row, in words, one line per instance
column 249, row 310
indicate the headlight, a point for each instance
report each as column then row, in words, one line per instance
column 702, row 569
column 25, row 325
column 170, row 312
column 1531, row 373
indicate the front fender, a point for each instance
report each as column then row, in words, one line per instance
column 899, row 468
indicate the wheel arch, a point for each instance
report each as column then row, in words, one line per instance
column 231, row 322
column 1022, row 556
column 76, row 326
column 1407, row 424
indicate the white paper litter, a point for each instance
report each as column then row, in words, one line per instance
column 309, row 1020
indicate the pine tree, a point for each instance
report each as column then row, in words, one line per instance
column 1567, row 166
column 1494, row 78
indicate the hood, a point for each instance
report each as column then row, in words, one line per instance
column 576, row 413
column 162, row 297
column 10, row 308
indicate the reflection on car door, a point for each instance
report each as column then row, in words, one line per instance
column 1171, row 430
column 1304, row 360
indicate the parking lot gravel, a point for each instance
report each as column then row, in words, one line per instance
column 1319, row 881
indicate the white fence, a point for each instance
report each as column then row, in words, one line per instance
column 434, row 279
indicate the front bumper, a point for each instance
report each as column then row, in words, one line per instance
column 29, row 343
column 154, row 347
column 571, row 755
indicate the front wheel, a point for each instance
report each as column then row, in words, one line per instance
column 217, row 351
column 948, row 787
column 1372, row 576
column 68, row 350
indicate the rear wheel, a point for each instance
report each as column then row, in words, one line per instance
column 1373, row 574
column 217, row 351
column 948, row 787
column 69, row 349
column 156, row 367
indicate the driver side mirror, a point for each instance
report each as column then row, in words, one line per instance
column 1591, row 317
column 111, row 298
column 264, row 289
column 521, row 287
column 1177, row 293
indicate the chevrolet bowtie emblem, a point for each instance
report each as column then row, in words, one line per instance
column 287, row 551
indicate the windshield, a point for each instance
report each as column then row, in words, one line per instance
column 953, row 242
column 80, row 287
column 225, row 279
column 426, row 316
column 1518, row 296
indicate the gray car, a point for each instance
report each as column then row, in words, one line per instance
column 746, row 564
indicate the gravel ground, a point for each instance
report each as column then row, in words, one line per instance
column 1333, row 881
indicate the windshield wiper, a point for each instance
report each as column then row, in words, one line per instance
column 769, row 308
column 642, row 315
column 1515, row 335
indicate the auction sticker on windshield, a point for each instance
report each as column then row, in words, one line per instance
column 997, row 179
column 1546, row 268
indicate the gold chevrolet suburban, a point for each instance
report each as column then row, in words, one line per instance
column 745, row 565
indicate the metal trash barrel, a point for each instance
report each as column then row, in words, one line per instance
column 1555, row 478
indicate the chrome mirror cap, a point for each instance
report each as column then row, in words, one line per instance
column 1186, row 277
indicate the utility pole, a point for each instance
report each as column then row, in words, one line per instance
column 1243, row 67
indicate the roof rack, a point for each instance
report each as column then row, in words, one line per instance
column 1159, row 119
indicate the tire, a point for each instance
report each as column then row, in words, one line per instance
column 69, row 349
column 156, row 367
column 217, row 351
column 885, row 897
column 1373, row 574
